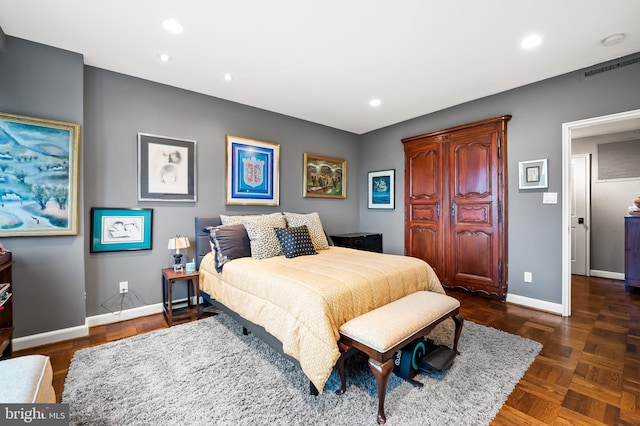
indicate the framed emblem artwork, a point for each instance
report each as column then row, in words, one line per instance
column 253, row 172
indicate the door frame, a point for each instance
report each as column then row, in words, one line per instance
column 567, row 129
column 587, row 213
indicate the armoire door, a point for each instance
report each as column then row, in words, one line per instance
column 455, row 198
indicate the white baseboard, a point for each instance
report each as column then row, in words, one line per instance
column 128, row 314
column 83, row 330
column 607, row 274
column 49, row 337
column 542, row 305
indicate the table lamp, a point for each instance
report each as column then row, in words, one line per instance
column 178, row 243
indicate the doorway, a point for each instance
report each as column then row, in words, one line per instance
column 598, row 125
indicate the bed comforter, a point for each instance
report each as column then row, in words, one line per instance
column 303, row 301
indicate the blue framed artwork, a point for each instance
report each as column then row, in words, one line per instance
column 38, row 176
column 120, row 229
column 381, row 193
column 253, row 172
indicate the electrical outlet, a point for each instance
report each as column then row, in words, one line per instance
column 124, row 286
column 528, row 277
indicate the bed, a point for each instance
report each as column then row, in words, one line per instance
column 297, row 304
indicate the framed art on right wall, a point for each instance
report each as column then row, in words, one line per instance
column 533, row 174
column 381, row 189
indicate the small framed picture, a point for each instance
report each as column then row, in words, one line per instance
column 533, row 174
column 166, row 168
column 381, row 189
column 324, row 177
column 120, row 229
column 253, row 172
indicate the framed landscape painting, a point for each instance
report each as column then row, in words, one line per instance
column 166, row 168
column 38, row 176
column 324, row 177
column 253, row 172
column 381, row 189
column 117, row 229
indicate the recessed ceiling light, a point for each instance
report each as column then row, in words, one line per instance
column 375, row 102
column 531, row 41
column 613, row 39
column 164, row 57
column 172, row 25
column 228, row 77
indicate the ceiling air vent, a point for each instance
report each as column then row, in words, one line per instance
column 610, row 66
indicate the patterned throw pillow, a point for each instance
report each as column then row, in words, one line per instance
column 295, row 241
column 229, row 242
column 312, row 222
column 264, row 242
column 231, row 220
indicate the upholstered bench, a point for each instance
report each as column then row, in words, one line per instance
column 383, row 331
column 27, row 379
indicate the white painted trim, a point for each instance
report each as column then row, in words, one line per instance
column 566, row 206
column 110, row 318
column 83, row 330
column 50, row 337
column 541, row 305
column 607, row 274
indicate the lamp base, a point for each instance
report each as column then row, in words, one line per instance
column 177, row 266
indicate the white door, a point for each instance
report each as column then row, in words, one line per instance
column 580, row 190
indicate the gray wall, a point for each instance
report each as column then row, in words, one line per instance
column 609, row 203
column 53, row 273
column 49, row 282
column 117, row 107
column 534, row 132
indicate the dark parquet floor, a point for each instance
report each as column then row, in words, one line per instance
column 588, row 372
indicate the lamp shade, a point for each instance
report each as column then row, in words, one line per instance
column 178, row 242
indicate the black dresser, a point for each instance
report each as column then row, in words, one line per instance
column 368, row 241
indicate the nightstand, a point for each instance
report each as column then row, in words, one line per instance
column 359, row 240
column 181, row 310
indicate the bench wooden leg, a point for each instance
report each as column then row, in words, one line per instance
column 459, row 321
column 382, row 371
column 344, row 349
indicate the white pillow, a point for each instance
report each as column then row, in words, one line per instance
column 312, row 222
column 264, row 241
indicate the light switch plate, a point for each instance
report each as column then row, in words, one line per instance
column 550, row 198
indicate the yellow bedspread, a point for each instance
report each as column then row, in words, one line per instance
column 303, row 301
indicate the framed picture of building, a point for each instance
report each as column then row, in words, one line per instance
column 324, row 177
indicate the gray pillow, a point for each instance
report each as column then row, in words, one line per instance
column 229, row 242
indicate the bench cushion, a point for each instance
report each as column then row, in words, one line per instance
column 389, row 325
column 27, row 379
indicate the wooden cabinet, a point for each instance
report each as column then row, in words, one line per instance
column 360, row 241
column 6, row 312
column 631, row 252
column 455, row 204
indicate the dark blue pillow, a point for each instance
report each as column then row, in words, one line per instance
column 295, row 241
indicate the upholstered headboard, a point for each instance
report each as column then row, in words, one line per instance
column 202, row 237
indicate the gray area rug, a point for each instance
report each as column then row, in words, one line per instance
column 207, row 373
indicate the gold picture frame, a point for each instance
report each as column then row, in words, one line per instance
column 253, row 172
column 324, row 177
column 39, row 176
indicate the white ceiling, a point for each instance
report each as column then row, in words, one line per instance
column 323, row 60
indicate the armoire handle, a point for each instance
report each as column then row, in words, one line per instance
column 453, row 209
column 438, row 208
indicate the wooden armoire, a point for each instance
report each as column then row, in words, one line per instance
column 455, row 204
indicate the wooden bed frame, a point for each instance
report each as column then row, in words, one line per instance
column 203, row 247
